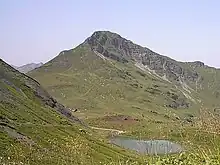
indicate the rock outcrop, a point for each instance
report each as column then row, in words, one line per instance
column 112, row 45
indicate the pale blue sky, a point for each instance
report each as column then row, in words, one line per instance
column 37, row 30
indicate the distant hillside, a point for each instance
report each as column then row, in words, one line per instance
column 28, row 67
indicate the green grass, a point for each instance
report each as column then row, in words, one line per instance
column 95, row 86
column 51, row 137
column 98, row 88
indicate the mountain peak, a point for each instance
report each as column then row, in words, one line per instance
column 109, row 55
column 100, row 37
column 197, row 64
column 113, row 46
column 107, row 33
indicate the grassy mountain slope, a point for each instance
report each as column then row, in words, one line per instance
column 36, row 129
column 108, row 82
column 109, row 74
column 111, row 82
column 98, row 86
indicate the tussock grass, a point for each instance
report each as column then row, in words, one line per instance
column 82, row 149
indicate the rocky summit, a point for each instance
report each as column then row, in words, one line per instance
column 112, row 45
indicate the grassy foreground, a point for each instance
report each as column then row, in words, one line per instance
column 33, row 129
column 66, row 144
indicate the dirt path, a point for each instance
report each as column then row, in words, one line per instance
column 96, row 128
column 106, row 129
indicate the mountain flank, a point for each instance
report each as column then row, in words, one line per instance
column 107, row 67
column 37, row 129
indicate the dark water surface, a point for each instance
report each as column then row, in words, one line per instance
column 151, row 147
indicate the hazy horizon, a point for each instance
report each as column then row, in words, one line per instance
column 36, row 31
